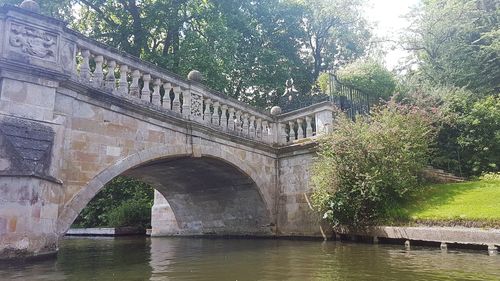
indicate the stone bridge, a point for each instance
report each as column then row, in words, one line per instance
column 75, row 113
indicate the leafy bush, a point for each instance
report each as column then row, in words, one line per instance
column 131, row 213
column 477, row 128
column 370, row 77
column 468, row 140
column 367, row 165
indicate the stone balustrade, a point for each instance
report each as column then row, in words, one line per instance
column 46, row 44
column 305, row 123
column 123, row 75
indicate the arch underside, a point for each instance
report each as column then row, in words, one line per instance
column 207, row 196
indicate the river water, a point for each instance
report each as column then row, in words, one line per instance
column 232, row 259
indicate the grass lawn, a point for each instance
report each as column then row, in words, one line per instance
column 475, row 203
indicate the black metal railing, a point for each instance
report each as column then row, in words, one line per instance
column 349, row 99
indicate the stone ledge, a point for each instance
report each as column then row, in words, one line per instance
column 105, row 231
column 457, row 235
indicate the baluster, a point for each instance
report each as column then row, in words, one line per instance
column 300, row 130
column 265, row 132
column 309, row 129
column 245, row 124
column 146, row 92
column 186, row 104
column 292, row 131
column 156, row 97
column 176, row 103
column 166, row 102
column 237, row 121
column 134, row 86
column 251, row 129
column 207, row 115
column 110, row 83
column 230, row 121
column 258, row 131
column 284, row 135
column 215, row 115
column 85, row 67
column 98, row 73
column 123, row 84
column 223, row 117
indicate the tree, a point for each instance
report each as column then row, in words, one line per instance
column 337, row 33
column 457, row 43
column 120, row 193
column 369, row 76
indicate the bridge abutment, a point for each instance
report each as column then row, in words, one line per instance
column 28, row 217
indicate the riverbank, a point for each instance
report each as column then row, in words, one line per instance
column 467, row 204
column 459, row 237
column 459, row 214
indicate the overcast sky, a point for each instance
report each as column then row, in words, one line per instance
column 388, row 16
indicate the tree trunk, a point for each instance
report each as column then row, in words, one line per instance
column 172, row 41
column 317, row 59
column 140, row 39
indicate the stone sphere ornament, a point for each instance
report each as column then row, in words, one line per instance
column 276, row 110
column 195, row 75
column 30, row 5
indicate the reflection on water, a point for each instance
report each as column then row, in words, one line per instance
column 205, row 259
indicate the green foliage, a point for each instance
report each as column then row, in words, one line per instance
column 117, row 192
column 468, row 139
column 337, row 33
column 477, row 126
column 324, row 82
column 364, row 166
column 130, row 213
column 370, row 77
column 457, row 43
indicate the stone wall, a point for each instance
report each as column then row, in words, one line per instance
column 296, row 216
column 28, row 216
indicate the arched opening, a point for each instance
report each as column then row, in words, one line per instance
column 206, row 196
column 194, row 196
column 123, row 203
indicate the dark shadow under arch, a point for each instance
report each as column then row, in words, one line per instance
column 207, row 196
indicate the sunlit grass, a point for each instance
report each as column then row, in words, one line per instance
column 457, row 203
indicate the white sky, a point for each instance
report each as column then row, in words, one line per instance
column 387, row 14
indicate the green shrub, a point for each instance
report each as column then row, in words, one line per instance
column 468, row 139
column 131, row 213
column 366, row 166
column 370, row 77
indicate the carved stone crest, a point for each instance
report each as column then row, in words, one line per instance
column 196, row 105
column 32, row 41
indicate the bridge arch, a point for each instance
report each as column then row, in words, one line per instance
column 227, row 168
